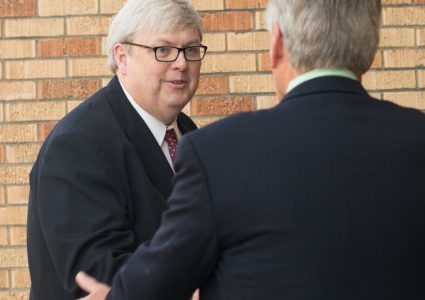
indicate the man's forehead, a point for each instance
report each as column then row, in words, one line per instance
column 184, row 35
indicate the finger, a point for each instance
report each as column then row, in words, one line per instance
column 86, row 282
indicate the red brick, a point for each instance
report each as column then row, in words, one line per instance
column 224, row 21
column 17, row 8
column 67, row 89
column 212, row 85
column 246, row 4
column 70, row 47
column 377, row 61
column 395, row 2
column 44, row 130
column 221, row 105
column 264, row 62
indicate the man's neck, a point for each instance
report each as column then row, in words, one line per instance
column 164, row 117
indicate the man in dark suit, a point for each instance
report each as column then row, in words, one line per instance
column 99, row 185
column 321, row 197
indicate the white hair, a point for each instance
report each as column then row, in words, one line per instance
column 147, row 17
column 328, row 33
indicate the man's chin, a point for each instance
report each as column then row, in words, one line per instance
column 178, row 103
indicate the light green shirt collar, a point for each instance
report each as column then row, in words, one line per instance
column 320, row 73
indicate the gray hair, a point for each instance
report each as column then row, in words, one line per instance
column 328, row 33
column 147, row 17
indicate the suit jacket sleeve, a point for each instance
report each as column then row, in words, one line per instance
column 184, row 250
column 81, row 210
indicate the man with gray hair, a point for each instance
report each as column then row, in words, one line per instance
column 319, row 198
column 99, row 185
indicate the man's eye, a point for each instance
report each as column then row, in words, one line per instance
column 163, row 50
column 192, row 50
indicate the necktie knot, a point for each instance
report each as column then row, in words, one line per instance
column 171, row 139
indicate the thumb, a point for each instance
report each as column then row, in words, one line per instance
column 86, row 282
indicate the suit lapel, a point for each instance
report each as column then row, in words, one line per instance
column 148, row 150
column 185, row 124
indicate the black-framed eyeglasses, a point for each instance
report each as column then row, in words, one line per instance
column 169, row 53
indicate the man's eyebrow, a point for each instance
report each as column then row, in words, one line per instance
column 166, row 42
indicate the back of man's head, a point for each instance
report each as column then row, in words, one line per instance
column 328, row 33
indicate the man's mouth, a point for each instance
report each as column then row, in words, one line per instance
column 177, row 83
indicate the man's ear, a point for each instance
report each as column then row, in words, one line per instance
column 121, row 56
column 276, row 46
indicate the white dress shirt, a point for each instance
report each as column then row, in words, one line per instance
column 157, row 128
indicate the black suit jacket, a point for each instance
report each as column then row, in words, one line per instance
column 98, row 189
column 322, row 197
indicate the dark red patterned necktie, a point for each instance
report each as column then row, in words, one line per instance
column 171, row 139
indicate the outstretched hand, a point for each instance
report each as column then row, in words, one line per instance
column 97, row 290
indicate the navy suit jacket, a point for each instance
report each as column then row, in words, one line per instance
column 321, row 197
column 98, row 189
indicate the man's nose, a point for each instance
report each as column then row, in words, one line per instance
column 181, row 61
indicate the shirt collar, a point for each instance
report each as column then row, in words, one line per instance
column 157, row 128
column 321, row 72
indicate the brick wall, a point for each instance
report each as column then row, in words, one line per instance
column 52, row 57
